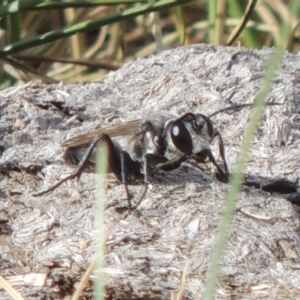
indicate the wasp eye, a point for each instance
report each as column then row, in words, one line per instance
column 181, row 138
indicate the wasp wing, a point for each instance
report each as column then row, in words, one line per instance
column 129, row 128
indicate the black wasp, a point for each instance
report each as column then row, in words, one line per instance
column 160, row 142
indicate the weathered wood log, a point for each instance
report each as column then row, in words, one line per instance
column 53, row 236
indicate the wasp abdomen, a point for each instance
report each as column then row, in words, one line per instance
column 74, row 155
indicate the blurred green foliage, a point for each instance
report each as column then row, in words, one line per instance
column 83, row 40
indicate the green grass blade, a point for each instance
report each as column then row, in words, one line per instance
column 212, row 17
column 84, row 4
column 15, row 28
column 99, row 220
column 181, row 27
column 244, row 20
column 88, row 25
column 17, row 6
column 238, row 176
column 249, row 35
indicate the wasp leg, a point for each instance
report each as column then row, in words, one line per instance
column 206, row 153
column 222, row 153
column 201, row 156
column 125, row 169
column 77, row 172
column 221, row 175
column 120, row 163
column 149, row 161
column 171, row 164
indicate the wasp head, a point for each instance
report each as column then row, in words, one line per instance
column 190, row 134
